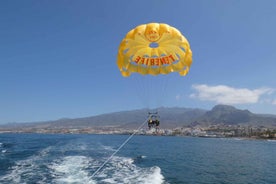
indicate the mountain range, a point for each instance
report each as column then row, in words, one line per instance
column 169, row 117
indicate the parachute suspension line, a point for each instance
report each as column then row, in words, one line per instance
column 153, row 90
column 116, row 151
column 141, row 90
column 163, row 90
column 150, row 90
column 144, row 86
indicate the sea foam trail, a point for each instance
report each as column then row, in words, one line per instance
column 27, row 170
column 71, row 169
column 78, row 169
column 123, row 170
column 76, row 162
column 1, row 148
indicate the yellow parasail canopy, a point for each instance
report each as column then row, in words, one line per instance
column 154, row 49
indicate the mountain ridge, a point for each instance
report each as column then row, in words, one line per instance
column 170, row 117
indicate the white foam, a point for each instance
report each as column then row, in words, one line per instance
column 107, row 148
column 29, row 168
column 123, row 170
column 154, row 178
column 71, row 169
column 79, row 169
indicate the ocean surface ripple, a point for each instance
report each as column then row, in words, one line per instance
column 73, row 159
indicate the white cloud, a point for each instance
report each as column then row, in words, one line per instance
column 228, row 95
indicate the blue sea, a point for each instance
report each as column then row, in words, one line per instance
column 69, row 158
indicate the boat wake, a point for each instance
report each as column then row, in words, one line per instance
column 123, row 170
column 71, row 169
column 65, row 164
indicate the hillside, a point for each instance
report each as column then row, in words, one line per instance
column 169, row 117
column 229, row 115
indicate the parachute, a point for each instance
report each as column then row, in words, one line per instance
column 154, row 49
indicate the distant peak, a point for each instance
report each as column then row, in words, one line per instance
column 223, row 107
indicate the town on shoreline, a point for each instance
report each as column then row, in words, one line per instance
column 211, row 131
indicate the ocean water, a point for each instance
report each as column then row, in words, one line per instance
column 68, row 158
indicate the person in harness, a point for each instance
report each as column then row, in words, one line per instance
column 153, row 121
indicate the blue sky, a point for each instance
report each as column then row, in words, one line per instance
column 58, row 58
